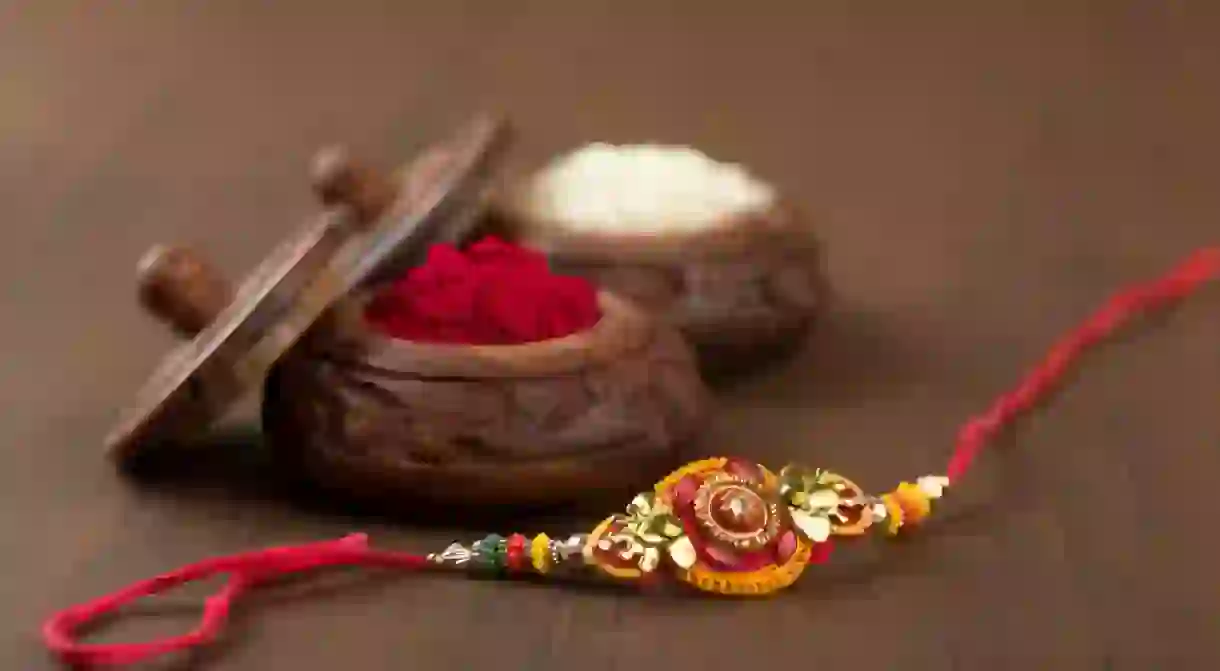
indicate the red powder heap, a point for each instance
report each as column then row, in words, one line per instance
column 495, row 293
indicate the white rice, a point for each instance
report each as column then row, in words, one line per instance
column 641, row 189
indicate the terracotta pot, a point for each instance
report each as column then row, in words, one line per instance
column 543, row 422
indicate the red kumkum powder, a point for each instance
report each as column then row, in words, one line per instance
column 494, row 293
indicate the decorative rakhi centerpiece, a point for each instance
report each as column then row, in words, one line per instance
column 722, row 525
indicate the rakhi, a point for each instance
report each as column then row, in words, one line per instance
column 724, row 526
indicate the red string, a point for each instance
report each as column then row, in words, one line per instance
column 244, row 571
column 251, row 569
column 1119, row 310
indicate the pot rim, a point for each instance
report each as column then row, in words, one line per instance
column 622, row 327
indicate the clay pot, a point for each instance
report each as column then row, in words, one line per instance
column 543, row 422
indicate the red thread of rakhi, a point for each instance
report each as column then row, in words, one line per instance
column 249, row 570
column 1120, row 309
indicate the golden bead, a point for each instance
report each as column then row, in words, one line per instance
column 893, row 513
column 540, row 553
column 914, row 501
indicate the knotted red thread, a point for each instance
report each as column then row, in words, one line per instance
column 1119, row 310
column 251, row 569
column 244, row 570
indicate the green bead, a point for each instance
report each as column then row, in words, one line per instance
column 490, row 552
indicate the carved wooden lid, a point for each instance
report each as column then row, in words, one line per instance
column 373, row 226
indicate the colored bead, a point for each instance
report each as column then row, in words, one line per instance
column 933, row 485
column 540, row 553
column 514, row 553
column 489, row 552
column 914, row 502
column 893, row 512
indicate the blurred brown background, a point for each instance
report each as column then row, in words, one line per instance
column 982, row 173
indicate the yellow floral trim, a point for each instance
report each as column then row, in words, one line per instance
column 540, row 553
column 762, row 582
column 916, row 506
column 693, row 468
column 770, row 480
column 893, row 512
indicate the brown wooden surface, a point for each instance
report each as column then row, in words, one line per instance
column 982, row 174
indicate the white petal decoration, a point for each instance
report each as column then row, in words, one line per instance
column 682, row 551
column 650, row 561
column 933, row 485
column 814, row 528
column 822, row 499
column 879, row 512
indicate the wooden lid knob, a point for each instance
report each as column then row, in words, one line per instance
column 338, row 179
column 182, row 289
